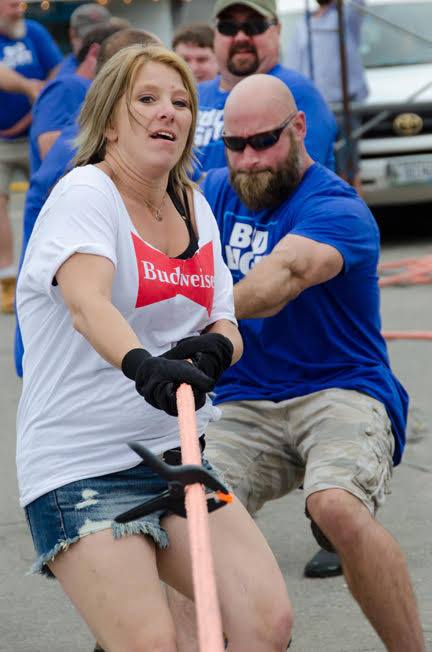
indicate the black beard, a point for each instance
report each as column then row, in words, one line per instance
column 242, row 71
column 267, row 188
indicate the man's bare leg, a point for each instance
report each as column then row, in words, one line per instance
column 374, row 567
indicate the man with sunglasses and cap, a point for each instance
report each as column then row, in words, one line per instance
column 246, row 42
column 313, row 401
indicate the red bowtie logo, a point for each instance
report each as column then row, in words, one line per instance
column 162, row 278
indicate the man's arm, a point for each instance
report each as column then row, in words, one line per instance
column 295, row 264
column 12, row 82
column 46, row 141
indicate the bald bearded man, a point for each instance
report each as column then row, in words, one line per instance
column 313, row 401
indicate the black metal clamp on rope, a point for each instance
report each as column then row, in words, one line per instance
column 178, row 476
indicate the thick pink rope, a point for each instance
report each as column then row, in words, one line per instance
column 209, row 620
column 407, row 335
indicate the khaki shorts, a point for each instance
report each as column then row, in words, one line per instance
column 13, row 156
column 330, row 439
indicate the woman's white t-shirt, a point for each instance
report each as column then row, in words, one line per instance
column 77, row 412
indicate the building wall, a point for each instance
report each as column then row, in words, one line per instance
column 146, row 14
column 156, row 17
column 160, row 17
column 194, row 11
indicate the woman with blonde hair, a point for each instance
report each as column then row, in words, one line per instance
column 123, row 280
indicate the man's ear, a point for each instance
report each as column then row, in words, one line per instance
column 299, row 124
column 93, row 51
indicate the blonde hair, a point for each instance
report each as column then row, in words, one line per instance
column 117, row 78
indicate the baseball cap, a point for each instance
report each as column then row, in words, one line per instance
column 87, row 16
column 266, row 8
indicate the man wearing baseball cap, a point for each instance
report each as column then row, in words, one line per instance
column 83, row 19
column 246, row 42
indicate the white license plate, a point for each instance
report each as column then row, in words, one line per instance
column 415, row 171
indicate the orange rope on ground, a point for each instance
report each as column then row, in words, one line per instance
column 409, row 271
column 209, row 620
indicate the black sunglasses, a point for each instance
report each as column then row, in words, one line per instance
column 264, row 140
column 249, row 27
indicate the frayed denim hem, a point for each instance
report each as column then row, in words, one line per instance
column 119, row 530
column 40, row 566
column 158, row 534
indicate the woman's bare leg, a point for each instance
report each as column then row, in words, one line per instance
column 256, row 612
column 114, row 584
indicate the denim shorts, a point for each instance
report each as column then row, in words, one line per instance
column 61, row 517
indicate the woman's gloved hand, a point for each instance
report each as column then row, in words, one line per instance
column 157, row 379
column 211, row 353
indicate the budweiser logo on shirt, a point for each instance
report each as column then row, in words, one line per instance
column 162, row 278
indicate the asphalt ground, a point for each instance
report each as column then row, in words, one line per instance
column 36, row 617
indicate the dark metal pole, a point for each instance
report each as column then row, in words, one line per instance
column 309, row 36
column 347, row 118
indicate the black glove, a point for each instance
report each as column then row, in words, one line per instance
column 157, row 379
column 211, row 353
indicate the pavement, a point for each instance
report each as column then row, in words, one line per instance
column 36, row 617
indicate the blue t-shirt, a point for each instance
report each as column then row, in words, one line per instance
column 33, row 56
column 57, row 105
column 321, row 125
column 55, row 165
column 68, row 66
column 330, row 335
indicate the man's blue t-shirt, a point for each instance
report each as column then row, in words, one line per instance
column 54, row 166
column 68, row 66
column 33, row 56
column 58, row 103
column 321, row 125
column 330, row 335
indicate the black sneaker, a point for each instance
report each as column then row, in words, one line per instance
column 323, row 564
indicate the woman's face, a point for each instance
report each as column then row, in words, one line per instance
column 151, row 134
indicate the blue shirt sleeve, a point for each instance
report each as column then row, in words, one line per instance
column 56, row 105
column 48, row 52
column 344, row 223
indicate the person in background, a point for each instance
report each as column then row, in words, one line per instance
column 60, row 100
column 195, row 44
column 102, row 311
column 325, row 68
column 123, row 39
column 28, row 57
column 313, row 400
column 247, row 40
column 82, row 20
column 59, row 159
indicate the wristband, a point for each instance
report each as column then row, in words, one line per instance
column 132, row 361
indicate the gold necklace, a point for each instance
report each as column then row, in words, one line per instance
column 157, row 211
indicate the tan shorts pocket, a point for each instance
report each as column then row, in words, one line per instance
column 374, row 466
